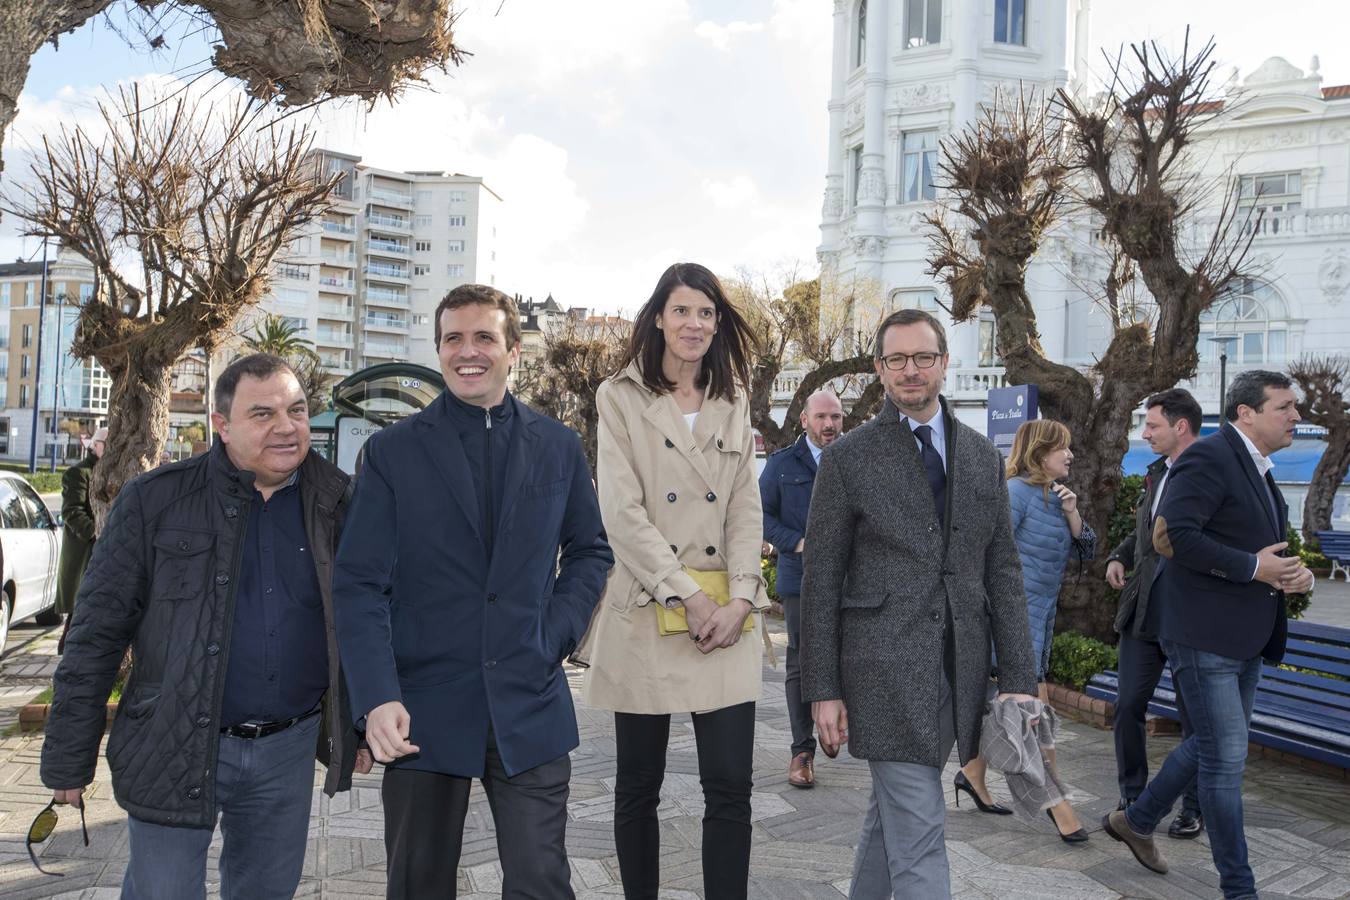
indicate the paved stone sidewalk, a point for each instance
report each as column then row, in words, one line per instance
column 1298, row 824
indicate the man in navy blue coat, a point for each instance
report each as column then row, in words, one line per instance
column 1221, row 531
column 473, row 558
column 785, row 493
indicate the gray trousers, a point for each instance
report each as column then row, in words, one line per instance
column 902, row 851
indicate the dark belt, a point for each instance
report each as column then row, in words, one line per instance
column 251, row 730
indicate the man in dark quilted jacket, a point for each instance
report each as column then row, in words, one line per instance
column 216, row 571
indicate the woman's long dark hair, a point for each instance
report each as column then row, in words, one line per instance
column 726, row 365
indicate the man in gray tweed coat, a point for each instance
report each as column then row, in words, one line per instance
column 910, row 569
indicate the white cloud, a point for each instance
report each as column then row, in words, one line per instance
column 721, row 36
column 730, row 193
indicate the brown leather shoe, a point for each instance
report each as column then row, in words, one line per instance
column 1143, row 848
column 801, row 771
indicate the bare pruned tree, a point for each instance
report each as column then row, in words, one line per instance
column 1012, row 174
column 822, row 328
column 294, row 52
column 197, row 206
column 1325, row 384
column 578, row 355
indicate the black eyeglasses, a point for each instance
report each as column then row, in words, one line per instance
column 42, row 828
column 896, row 362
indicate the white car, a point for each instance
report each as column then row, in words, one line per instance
column 30, row 540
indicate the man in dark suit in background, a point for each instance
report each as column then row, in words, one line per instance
column 475, row 556
column 1221, row 529
column 785, row 493
column 1171, row 424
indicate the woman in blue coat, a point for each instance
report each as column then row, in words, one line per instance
column 1050, row 535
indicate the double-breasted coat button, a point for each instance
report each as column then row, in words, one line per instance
column 231, row 512
column 222, row 578
column 669, row 443
column 937, row 616
column 710, row 496
column 492, row 598
column 671, row 496
column 212, row 649
column 719, row 443
column 183, row 545
column 194, row 792
column 674, row 549
column 203, row 721
column 711, row 551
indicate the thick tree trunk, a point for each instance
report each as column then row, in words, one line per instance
column 138, row 421
column 1327, row 477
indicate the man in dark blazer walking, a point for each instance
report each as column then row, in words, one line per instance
column 474, row 558
column 910, row 570
column 1221, row 531
column 785, row 493
column 1172, row 422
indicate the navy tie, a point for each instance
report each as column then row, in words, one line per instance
column 932, row 464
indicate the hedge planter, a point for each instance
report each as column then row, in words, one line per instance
column 33, row 717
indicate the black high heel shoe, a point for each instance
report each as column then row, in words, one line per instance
column 1076, row 837
column 962, row 783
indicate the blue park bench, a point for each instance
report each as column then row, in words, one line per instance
column 1335, row 546
column 1305, row 713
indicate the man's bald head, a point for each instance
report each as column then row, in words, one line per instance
column 823, row 417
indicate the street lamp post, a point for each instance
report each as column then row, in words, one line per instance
column 1223, row 372
column 56, row 382
column 37, row 368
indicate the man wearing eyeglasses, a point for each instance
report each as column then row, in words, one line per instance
column 217, row 572
column 910, row 570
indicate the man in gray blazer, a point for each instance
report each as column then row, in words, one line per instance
column 910, row 570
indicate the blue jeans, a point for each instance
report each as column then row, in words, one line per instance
column 1219, row 692
column 264, row 790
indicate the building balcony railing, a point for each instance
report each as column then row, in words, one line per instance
column 383, row 297
column 394, row 198
column 331, row 310
column 1329, row 222
column 377, row 220
column 378, row 246
column 339, row 229
column 333, row 339
column 295, row 273
column 340, row 285
column 385, row 351
column 395, row 273
column 333, row 258
column 337, row 361
column 395, row 324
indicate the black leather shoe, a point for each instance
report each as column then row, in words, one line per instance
column 1123, row 804
column 1186, row 825
column 1073, row 837
column 961, row 783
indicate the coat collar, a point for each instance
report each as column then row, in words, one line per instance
column 803, row 452
column 663, row 414
column 446, row 452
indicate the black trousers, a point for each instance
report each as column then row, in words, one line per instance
column 1140, row 668
column 424, row 829
column 725, row 740
column 799, row 713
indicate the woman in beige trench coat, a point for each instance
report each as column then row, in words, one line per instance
column 676, row 477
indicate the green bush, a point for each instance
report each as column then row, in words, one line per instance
column 769, row 569
column 1075, row 658
column 1122, row 517
column 1297, row 604
column 45, row 482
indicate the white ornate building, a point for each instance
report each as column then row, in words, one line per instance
column 907, row 73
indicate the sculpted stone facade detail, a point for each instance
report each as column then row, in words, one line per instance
column 833, row 207
column 872, row 187
column 925, row 94
column 868, row 246
column 1333, row 275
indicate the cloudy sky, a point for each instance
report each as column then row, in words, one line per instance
column 627, row 134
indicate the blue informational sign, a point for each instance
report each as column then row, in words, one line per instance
column 1009, row 407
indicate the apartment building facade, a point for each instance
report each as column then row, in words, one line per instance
column 69, row 395
column 364, row 281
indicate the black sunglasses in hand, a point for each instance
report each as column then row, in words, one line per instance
column 42, row 828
